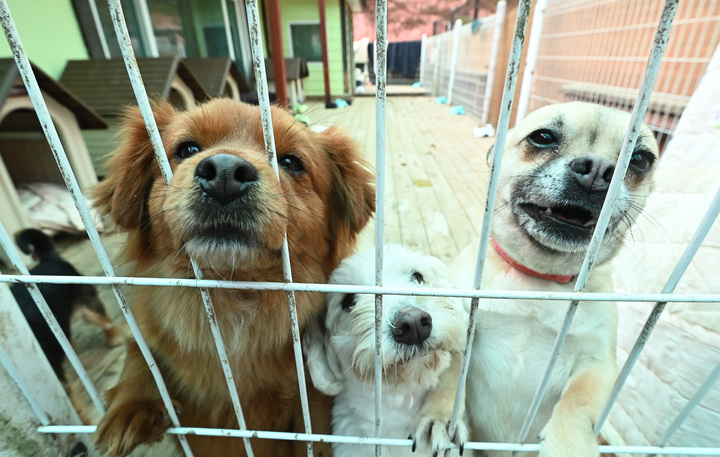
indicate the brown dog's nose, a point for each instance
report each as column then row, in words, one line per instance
column 412, row 326
column 593, row 172
column 225, row 177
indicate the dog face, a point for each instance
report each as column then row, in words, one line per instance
column 418, row 333
column 555, row 174
column 225, row 207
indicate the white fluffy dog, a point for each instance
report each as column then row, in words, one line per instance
column 421, row 341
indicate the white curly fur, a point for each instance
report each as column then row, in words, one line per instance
column 419, row 381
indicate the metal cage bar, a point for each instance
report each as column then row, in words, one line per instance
column 613, row 193
column 141, row 96
column 380, row 144
column 264, row 99
column 379, row 290
column 521, row 23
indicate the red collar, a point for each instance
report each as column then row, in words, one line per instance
column 562, row 279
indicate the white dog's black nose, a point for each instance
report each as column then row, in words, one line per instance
column 225, row 177
column 593, row 173
column 412, row 326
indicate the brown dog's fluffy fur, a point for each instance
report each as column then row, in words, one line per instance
column 324, row 198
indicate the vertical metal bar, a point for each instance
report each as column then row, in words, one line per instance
column 99, row 28
column 380, row 122
column 531, row 58
column 499, row 149
column 423, row 52
column 691, row 404
column 494, row 52
column 154, row 135
column 228, row 31
column 454, row 58
column 243, row 38
column 436, row 65
column 147, row 33
column 325, row 57
column 266, row 117
column 653, row 64
column 682, row 265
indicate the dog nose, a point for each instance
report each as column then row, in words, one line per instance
column 412, row 326
column 225, row 177
column 592, row 172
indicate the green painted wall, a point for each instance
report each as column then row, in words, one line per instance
column 49, row 32
column 304, row 10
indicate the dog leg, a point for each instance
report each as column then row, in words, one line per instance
column 136, row 415
column 113, row 336
column 569, row 432
column 431, row 429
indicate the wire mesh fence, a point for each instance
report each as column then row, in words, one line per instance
column 597, row 79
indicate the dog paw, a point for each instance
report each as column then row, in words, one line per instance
column 131, row 424
column 568, row 441
column 432, row 433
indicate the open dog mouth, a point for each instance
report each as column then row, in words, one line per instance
column 569, row 215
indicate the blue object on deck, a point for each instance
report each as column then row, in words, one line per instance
column 417, row 84
column 457, row 110
column 340, row 103
column 441, row 100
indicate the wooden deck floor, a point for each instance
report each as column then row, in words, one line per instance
column 435, row 191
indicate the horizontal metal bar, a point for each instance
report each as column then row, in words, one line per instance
column 319, row 438
column 372, row 290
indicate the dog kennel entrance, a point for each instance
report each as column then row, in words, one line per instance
column 26, row 155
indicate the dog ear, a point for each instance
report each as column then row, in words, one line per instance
column 320, row 357
column 352, row 199
column 131, row 169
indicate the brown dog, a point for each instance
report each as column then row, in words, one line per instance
column 225, row 209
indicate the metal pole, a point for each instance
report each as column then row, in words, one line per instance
column 494, row 52
column 453, row 62
column 325, row 60
column 503, row 123
column 423, row 51
column 228, row 32
column 531, row 59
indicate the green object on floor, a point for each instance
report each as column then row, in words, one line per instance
column 300, row 108
column 302, row 118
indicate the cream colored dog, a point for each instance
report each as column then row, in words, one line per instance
column 422, row 338
column 554, row 177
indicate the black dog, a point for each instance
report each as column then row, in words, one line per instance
column 63, row 299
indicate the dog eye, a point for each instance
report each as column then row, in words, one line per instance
column 542, row 138
column 291, row 163
column 418, row 277
column 348, row 302
column 187, row 150
column 642, row 161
